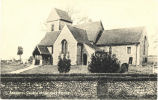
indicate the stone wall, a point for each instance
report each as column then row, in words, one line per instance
column 55, row 24
column 142, row 54
column 79, row 86
column 72, row 46
column 89, row 51
column 121, row 53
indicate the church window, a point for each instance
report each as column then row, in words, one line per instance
column 129, row 50
column 52, row 28
column 144, row 45
column 64, row 47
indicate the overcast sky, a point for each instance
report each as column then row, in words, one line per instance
column 22, row 21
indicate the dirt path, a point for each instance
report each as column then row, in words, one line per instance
column 24, row 69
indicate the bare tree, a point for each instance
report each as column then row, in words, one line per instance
column 84, row 19
column 70, row 11
column 76, row 17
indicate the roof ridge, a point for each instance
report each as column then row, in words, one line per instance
column 82, row 34
column 88, row 23
column 121, row 36
column 61, row 14
column 125, row 28
column 59, row 10
column 76, row 27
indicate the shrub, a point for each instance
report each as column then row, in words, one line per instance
column 64, row 64
column 124, row 68
column 102, row 62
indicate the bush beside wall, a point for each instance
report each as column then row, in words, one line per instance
column 102, row 62
column 64, row 64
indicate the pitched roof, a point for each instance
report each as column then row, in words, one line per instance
column 121, row 36
column 92, row 29
column 63, row 15
column 80, row 35
column 43, row 49
column 50, row 38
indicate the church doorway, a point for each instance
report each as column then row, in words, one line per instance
column 130, row 60
column 47, row 59
column 84, row 59
column 79, row 53
column 37, row 62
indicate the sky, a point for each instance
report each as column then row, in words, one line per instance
column 23, row 21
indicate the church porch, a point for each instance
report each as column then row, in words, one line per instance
column 42, row 56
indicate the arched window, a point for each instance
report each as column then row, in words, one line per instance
column 144, row 48
column 64, row 46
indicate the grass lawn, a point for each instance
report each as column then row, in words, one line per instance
column 11, row 67
column 141, row 69
column 52, row 69
column 46, row 69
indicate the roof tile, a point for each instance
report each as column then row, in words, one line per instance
column 43, row 49
column 50, row 38
column 121, row 36
column 62, row 15
column 92, row 29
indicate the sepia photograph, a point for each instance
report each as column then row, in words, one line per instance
column 79, row 49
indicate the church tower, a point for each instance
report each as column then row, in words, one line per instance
column 57, row 19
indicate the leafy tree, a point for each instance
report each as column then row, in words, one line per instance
column 20, row 52
column 64, row 64
column 102, row 62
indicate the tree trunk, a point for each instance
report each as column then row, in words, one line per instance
column 20, row 58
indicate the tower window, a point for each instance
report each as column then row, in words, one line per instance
column 52, row 28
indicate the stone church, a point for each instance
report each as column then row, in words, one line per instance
column 79, row 42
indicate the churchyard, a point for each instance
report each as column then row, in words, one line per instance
column 52, row 69
column 6, row 68
column 104, row 77
column 45, row 81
